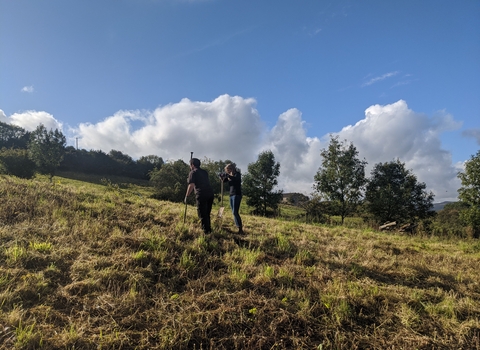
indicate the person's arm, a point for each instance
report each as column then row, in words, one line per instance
column 190, row 188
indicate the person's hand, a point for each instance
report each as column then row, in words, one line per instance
column 185, row 200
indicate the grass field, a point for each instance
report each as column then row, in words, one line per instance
column 100, row 265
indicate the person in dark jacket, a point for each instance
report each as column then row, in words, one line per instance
column 234, row 178
column 199, row 182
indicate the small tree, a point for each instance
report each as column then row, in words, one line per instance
column 259, row 182
column 170, row 180
column 469, row 193
column 341, row 177
column 46, row 148
column 394, row 194
column 16, row 162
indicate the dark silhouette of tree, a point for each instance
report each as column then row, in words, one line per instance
column 12, row 136
column 341, row 177
column 259, row 182
column 146, row 164
column 46, row 148
column 469, row 193
column 394, row 194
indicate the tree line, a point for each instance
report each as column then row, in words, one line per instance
column 392, row 193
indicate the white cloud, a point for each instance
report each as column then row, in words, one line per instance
column 28, row 89
column 3, row 117
column 29, row 120
column 380, row 78
column 395, row 131
column 227, row 128
column 230, row 127
column 298, row 155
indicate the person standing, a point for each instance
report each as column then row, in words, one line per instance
column 234, row 178
column 199, row 182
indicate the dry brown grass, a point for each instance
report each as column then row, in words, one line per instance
column 90, row 267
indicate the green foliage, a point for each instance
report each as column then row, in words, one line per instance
column 448, row 223
column 317, row 209
column 341, row 177
column 12, row 136
column 46, row 148
column 259, row 182
column 170, row 181
column 394, row 194
column 469, row 193
column 147, row 164
column 16, row 162
column 113, row 163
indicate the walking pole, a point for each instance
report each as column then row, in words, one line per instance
column 185, row 212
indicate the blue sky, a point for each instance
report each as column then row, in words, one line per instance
column 227, row 79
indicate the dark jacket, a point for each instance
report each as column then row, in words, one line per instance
column 199, row 177
column 235, row 183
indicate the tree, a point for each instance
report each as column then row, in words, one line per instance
column 469, row 193
column 394, row 194
column 341, row 177
column 259, row 182
column 170, row 181
column 16, row 162
column 12, row 136
column 147, row 164
column 46, row 148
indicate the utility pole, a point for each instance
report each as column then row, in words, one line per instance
column 76, row 142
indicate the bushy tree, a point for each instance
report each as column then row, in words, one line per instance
column 12, row 136
column 170, row 181
column 447, row 222
column 46, row 148
column 394, row 194
column 341, row 177
column 316, row 209
column 260, row 181
column 147, row 164
column 469, row 193
column 16, row 162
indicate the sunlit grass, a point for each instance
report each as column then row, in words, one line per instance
column 93, row 266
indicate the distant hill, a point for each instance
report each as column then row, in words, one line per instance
column 439, row 206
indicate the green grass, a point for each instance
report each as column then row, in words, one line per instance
column 95, row 266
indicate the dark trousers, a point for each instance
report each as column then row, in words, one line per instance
column 204, row 208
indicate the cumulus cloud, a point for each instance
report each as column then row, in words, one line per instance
column 394, row 131
column 473, row 133
column 298, row 154
column 3, row 117
column 29, row 120
column 28, row 89
column 230, row 127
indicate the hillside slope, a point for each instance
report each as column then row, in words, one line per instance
column 87, row 266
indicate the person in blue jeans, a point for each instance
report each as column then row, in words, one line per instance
column 234, row 178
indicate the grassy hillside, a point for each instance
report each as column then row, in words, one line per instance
column 92, row 266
